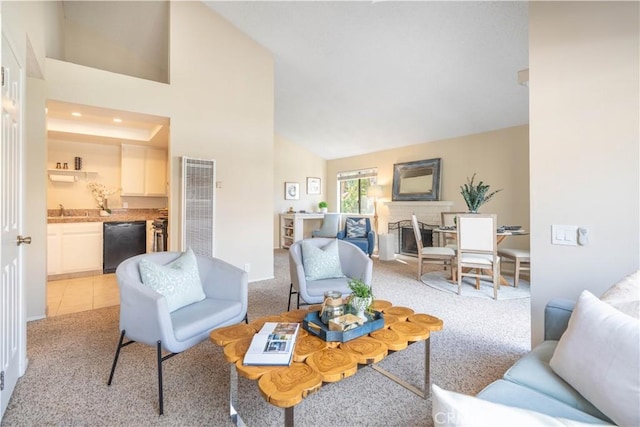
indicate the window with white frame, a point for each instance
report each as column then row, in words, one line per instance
column 352, row 188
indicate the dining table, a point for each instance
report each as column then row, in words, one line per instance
column 501, row 234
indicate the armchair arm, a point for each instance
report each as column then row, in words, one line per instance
column 221, row 280
column 342, row 234
column 144, row 313
column 556, row 317
column 355, row 263
column 371, row 238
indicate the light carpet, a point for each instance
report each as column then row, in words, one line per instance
column 70, row 357
column 441, row 280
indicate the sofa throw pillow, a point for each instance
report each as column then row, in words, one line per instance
column 599, row 356
column 321, row 263
column 356, row 227
column 625, row 295
column 178, row 281
column 452, row 409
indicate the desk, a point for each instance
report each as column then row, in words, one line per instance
column 500, row 237
column 292, row 227
column 317, row 362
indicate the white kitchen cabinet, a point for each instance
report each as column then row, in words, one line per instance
column 74, row 247
column 143, row 171
column 54, row 243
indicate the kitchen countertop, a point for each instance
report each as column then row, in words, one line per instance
column 93, row 215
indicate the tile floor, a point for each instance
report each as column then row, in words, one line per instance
column 80, row 294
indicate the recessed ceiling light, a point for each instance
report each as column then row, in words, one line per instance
column 117, row 119
column 76, row 114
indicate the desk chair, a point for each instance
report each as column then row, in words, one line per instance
column 330, row 226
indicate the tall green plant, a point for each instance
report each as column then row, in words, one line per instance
column 475, row 195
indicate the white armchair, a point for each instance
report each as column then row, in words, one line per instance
column 355, row 264
column 145, row 315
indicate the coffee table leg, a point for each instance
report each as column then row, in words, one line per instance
column 288, row 416
column 233, row 397
column 427, row 374
column 427, row 368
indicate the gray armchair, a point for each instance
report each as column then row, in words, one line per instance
column 145, row 316
column 355, row 264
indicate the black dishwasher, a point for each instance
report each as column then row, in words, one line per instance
column 122, row 240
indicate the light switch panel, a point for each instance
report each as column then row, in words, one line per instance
column 564, row 235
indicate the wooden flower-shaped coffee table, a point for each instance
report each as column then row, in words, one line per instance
column 317, row 362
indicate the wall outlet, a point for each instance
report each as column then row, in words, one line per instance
column 125, row 205
column 247, row 267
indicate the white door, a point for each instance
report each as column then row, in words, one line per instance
column 12, row 320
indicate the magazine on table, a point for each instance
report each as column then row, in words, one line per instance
column 273, row 344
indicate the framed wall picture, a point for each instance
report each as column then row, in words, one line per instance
column 313, row 185
column 291, row 191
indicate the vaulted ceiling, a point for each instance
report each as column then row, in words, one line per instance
column 359, row 77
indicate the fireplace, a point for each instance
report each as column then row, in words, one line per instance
column 406, row 236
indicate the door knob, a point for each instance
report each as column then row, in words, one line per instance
column 26, row 240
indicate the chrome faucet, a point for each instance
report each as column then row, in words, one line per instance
column 62, row 212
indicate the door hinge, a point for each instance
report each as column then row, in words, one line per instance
column 1, row 380
column 2, row 85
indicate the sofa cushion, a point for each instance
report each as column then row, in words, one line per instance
column 533, row 371
column 356, row 227
column 178, row 281
column 455, row 409
column 599, row 356
column 321, row 263
column 625, row 295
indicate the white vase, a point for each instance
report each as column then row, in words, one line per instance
column 360, row 305
column 323, row 210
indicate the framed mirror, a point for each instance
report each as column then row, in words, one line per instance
column 416, row 181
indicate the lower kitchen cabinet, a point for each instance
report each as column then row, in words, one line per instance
column 74, row 247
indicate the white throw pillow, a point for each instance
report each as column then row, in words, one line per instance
column 178, row 281
column 599, row 356
column 321, row 263
column 450, row 409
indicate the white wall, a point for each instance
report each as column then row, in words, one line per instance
column 292, row 163
column 584, row 124
column 35, row 277
column 222, row 96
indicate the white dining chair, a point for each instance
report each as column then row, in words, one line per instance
column 448, row 219
column 521, row 259
column 477, row 249
column 431, row 254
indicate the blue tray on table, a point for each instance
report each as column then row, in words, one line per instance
column 314, row 326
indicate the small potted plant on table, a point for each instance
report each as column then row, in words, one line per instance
column 361, row 297
column 323, row 206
